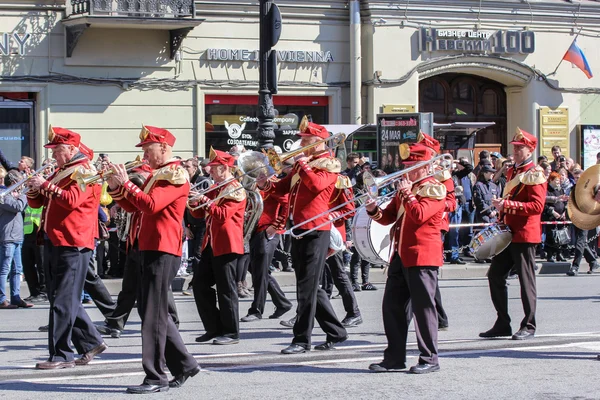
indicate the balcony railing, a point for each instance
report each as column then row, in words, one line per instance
column 134, row 8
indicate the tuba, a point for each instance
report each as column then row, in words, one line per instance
column 254, row 209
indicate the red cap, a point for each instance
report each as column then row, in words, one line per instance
column 58, row 136
column 418, row 153
column 152, row 134
column 218, row 157
column 430, row 142
column 312, row 129
column 86, row 151
column 524, row 139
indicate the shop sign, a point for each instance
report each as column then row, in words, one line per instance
column 10, row 41
column 282, row 55
column 469, row 41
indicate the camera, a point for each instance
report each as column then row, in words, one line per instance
column 562, row 159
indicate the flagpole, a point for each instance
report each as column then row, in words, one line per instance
column 563, row 57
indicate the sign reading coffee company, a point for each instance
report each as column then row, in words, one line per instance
column 497, row 42
column 282, row 55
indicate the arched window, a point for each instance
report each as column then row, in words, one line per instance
column 463, row 96
column 489, row 100
column 434, row 96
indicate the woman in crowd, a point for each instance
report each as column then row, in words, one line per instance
column 565, row 182
column 555, row 210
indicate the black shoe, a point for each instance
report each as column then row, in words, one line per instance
column 368, row 286
column 224, row 340
column 108, row 331
column 352, row 321
column 295, row 349
column 207, row 337
column 179, row 380
column 560, row 258
column 496, row 332
column 145, row 389
column 593, row 267
column 356, row 287
column 279, row 311
column 383, row 367
column 523, row 334
column 424, row 368
column 251, row 318
column 551, row 259
column 442, row 327
column 287, row 269
column 44, row 328
column 457, row 261
column 329, row 345
column 573, row 271
column 288, row 324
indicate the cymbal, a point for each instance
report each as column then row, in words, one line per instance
column 586, row 189
column 580, row 219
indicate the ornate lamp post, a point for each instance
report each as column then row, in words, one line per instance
column 270, row 31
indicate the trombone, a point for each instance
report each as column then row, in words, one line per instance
column 83, row 181
column 372, row 186
column 17, row 185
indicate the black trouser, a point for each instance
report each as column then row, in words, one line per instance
column 31, row 255
column 68, row 321
column 116, row 255
column 327, row 280
column 219, row 271
column 342, row 283
column 195, row 247
column 356, row 263
column 410, row 291
column 101, row 257
column 94, row 286
column 582, row 249
column 261, row 255
column 308, row 258
column 242, row 265
column 130, row 291
column 282, row 252
column 161, row 342
column 521, row 256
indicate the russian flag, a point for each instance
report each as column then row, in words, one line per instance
column 575, row 56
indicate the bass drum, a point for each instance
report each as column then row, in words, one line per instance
column 371, row 239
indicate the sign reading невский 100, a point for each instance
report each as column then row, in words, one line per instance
column 432, row 39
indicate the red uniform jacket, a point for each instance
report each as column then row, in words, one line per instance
column 70, row 215
column 525, row 204
column 275, row 209
column 224, row 220
column 418, row 219
column 161, row 202
column 310, row 186
column 342, row 195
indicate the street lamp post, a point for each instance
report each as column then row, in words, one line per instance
column 270, row 31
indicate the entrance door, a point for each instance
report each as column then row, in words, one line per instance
column 467, row 98
column 16, row 127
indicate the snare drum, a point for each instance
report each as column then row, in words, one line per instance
column 371, row 239
column 491, row 241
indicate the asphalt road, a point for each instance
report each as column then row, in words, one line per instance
column 561, row 362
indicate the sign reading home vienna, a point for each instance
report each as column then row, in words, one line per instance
column 282, row 55
column 498, row 42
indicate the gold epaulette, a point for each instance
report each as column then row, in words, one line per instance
column 343, row 182
column 329, row 164
column 83, row 171
column 534, row 176
column 432, row 189
column 233, row 194
column 175, row 174
column 442, row 175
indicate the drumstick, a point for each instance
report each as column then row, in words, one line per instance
column 490, row 207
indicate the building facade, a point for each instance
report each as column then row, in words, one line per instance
column 103, row 68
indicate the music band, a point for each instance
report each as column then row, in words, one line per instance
column 315, row 200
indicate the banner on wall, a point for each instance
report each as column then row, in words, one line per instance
column 590, row 144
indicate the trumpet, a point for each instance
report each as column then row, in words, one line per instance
column 277, row 160
column 83, row 181
column 17, row 185
column 372, row 186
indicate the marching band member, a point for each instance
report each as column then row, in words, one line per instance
column 311, row 184
column 416, row 212
column 522, row 208
column 69, row 226
column 335, row 263
column 223, row 245
column 263, row 243
column 161, row 202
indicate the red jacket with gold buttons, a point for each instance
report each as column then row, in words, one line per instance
column 161, row 203
column 523, row 208
column 418, row 218
column 275, row 209
column 311, row 186
column 224, row 220
column 70, row 215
